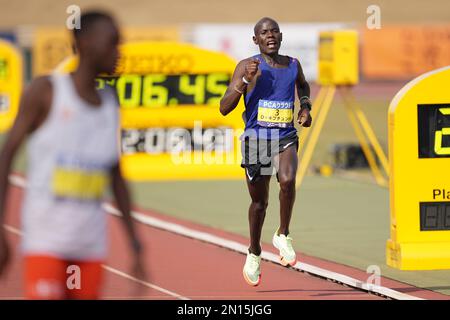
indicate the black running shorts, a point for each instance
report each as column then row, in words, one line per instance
column 258, row 154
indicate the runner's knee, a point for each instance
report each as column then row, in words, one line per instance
column 260, row 206
column 287, row 183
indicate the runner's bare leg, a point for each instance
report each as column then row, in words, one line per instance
column 259, row 193
column 287, row 171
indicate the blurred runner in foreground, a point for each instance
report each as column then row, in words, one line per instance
column 73, row 158
column 268, row 81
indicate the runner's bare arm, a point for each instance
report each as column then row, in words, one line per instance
column 122, row 197
column 303, row 89
column 246, row 68
column 231, row 97
column 33, row 108
column 303, row 92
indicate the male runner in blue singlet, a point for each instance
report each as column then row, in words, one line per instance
column 268, row 82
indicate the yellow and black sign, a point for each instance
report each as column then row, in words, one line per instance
column 10, row 84
column 419, row 152
column 169, row 95
column 338, row 58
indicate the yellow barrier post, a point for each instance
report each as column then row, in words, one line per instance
column 10, row 84
column 338, row 69
column 367, row 129
column 312, row 141
column 381, row 181
column 304, row 133
column 419, row 186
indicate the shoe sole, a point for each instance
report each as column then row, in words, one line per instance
column 283, row 261
column 249, row 282
column 286, row 263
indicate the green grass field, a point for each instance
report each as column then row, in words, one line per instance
column 334, row 218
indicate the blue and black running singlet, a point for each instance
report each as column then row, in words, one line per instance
column 270, row 104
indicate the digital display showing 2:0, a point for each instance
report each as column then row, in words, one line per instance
column 159, row 90
column 434, row 130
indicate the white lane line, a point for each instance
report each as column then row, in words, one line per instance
column 116, row 271
column 238, row 247
column 144, row 283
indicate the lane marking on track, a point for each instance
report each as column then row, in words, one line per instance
column 144, row 283
column 117, row 272
column 19, row 181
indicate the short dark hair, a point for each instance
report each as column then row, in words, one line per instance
column 259, row 24
column 88, row 19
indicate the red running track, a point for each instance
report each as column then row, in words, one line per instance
column 185, row 267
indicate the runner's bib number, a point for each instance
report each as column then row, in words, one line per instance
column 77, row 179
column 275, row 113
column 78, row 184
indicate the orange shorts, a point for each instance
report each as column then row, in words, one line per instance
column 48, row 277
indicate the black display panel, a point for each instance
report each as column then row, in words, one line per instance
column 434, row 216
column 433, row 122
column 159, row 90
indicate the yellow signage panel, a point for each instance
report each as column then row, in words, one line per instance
column 10, row 84
column 338, row 58
column 50, row 47
column 169, row 95
column 419, row 154
column 160, row 33
column 53, row 44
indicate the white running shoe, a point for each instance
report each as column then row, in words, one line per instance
column 287, row 252
column 252, row 269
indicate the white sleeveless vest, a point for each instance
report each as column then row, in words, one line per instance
column 69, row 161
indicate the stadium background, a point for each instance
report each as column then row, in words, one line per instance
column 342, row 218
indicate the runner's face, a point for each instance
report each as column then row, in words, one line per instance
column 268, row 37
column 104, row 46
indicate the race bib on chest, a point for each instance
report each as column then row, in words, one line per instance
column 79, row 182
column 275, row 113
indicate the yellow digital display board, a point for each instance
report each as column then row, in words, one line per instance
column 51, row 45
column 169, row 95
column 419, row 154
column 10, row 84
column 338, row 58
